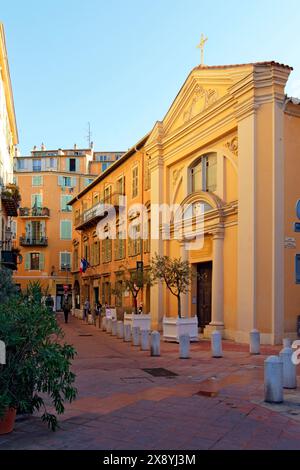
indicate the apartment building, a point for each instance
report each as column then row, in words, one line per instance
column 9, row 197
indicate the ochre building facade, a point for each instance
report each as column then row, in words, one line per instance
column 229, row 146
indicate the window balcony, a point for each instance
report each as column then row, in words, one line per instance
column 30, row 241
column 97, row 212
column 10, row 198
column 34, row 212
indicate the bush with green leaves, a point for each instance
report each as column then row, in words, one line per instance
column 37, row 374
column 175, row 273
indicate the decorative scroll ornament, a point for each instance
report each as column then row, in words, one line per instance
column 233, row 146
column 176, row 175
column 205, row 97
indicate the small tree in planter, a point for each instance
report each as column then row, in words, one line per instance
column 175, row 273
column 132, row 281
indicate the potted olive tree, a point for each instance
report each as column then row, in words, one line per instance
column 37, row 371
column 132, row 282
column 176, row 275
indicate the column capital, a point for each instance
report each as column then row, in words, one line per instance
column 218, row 233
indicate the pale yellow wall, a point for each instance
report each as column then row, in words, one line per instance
column 291, row 195
column 230, row 277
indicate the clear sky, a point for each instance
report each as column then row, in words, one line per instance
column 120, row 63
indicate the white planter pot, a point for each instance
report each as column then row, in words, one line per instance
column 173, row 327
column 143, row 321
column 111, row 313
column 78, row 313
column 90, row 320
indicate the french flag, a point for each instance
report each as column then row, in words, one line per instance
column 83, row 265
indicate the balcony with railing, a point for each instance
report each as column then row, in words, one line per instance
column 34, row 212
column 10, row 197
column 98, row 211
column 33, row 241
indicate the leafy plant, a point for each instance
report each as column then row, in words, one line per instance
column 37, row 373
column 175, row 273
column 133, row 281
column 7, row 287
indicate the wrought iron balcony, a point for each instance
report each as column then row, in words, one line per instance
column 34, row 212
column 10, row 203
column 30, row 241
column 97, row 212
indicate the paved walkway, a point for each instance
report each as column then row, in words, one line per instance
column 209, row 404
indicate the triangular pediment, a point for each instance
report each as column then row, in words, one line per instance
column 202, row 90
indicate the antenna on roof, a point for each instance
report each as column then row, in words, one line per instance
column 89, row 135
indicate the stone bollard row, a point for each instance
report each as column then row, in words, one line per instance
column 184, row 346
column 108, row 325
column 127, row 333
column 120, row 329
column 145, row 340
column 254, row 342
column 273, row 379
column 114, row 324
column 135, row 331
column 216, row 344
column 289, row 368
column 155, row 344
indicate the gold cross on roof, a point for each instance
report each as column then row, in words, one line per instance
column 201, row 47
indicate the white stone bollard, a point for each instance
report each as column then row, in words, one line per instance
column 289, row 368
column 274, row 379
column 145, row 340
column 216, row 344
column 103, row 323
column 114, row 324
column 135, row 335
column 108, row 325
column 155, row 343
column 127, row 333
column 120, row 329
column 254, row 342
column 287, row 342
column 184, row 346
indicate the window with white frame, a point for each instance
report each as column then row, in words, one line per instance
column 65, row 230
column 204, row 173
column 65, row 261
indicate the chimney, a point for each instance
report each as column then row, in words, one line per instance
column 43, row 147
column 34, row 148
column 75, row 146
column 92, row 145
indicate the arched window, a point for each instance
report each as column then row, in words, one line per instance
column 204, row 173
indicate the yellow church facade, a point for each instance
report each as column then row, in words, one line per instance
column 229, row 146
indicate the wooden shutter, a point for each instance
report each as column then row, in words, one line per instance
column 42, row 261
column 60, row 180
column 27, row 261
column 77, row 165
column 73, row 181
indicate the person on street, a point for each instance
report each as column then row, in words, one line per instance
column 66, row 305
column 86, row 309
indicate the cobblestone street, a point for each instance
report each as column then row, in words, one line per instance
column 205, row 404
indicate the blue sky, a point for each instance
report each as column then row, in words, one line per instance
column 119, row 63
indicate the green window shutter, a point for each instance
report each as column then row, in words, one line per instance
column 37, row 181
column 43, row 229
column 77, row 165
column 65, row 230
column 63, row 202
column 28, row 229
column 42, row 261
column 27, row 261
column 67, row 164
column 60, row 180
column 74, row 181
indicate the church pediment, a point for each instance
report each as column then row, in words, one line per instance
column 195, row 97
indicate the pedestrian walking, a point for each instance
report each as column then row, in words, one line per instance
column 86, row 309
column 66, row 305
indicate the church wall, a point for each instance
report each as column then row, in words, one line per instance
column 291, row 195
column 264, row 218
